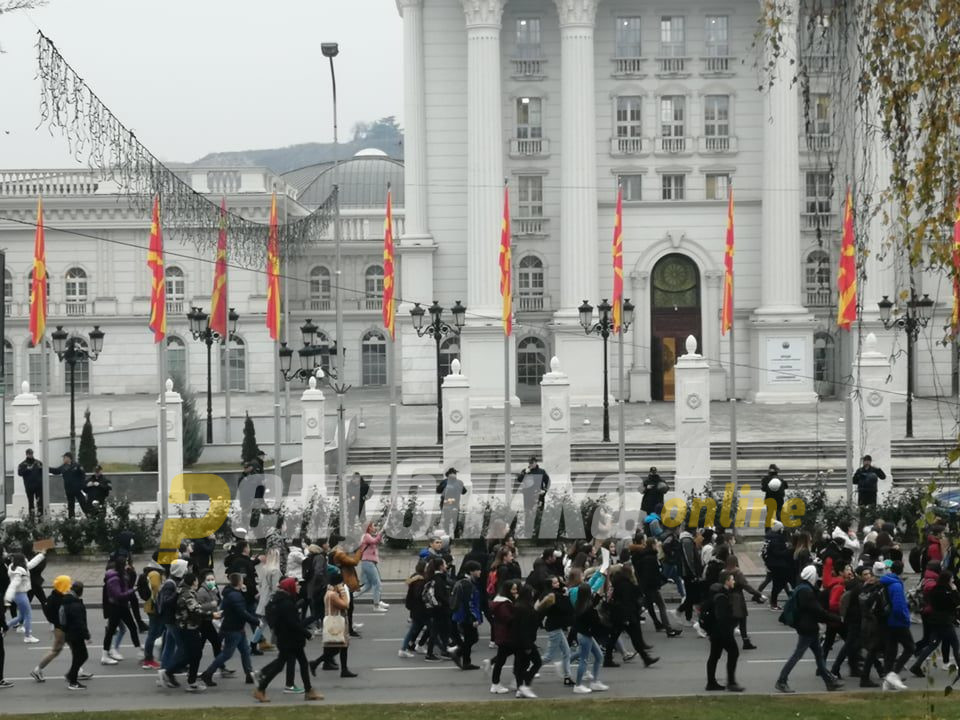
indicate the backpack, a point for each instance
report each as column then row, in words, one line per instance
column 708, row 614
column 464, row 586
column 166, row 597
column 143, row 585
column 671, row 549
column 788, row 615
column 492, row 583
column 429, row 595
column 270, row 612
column 765, row 550
column 882, row 606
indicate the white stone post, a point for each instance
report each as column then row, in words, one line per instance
column 782, row 337
column 481, row 341
column 314, row 444
column 579, row 254
column 871, row 412
column 173, row 437
column 456, row 422
column 26, row 436
column 555, row 426
column 692, row 429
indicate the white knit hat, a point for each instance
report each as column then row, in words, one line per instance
column 809, row 574
column 178, row 568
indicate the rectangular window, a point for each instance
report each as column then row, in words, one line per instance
column 632, row 187
column 819, row 191
column 672, row 123
column 716, row 122
column 820, row 114
column 718, row 186
column 672, row 37
column 35, row 370
column 629, row 124
column 717, row 36
column 528, row 38
column 529, row 118
column 530, row 196
column 673, row 186
column 628, row 37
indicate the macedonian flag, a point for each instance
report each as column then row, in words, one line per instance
column 218, row 301
column 38, row 286
column 847, row 275
column 158, row 289
column 273, row 274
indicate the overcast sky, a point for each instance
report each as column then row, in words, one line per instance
column 197, row 76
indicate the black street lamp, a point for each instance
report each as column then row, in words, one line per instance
column 604, row 328
column 71, row 350
column 310, row 356
column 201, row 330
column 918, row 314
column 438, row 330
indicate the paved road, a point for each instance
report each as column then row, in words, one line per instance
column 386, row 678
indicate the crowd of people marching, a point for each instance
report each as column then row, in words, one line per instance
column 577, row 610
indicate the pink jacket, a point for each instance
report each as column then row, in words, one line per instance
column 371, row 547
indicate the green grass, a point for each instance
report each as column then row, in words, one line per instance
column 854, row 706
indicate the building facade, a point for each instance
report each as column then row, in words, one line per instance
column 567, row 98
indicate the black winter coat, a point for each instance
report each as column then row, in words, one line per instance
column 809, row 611
column 74, row 619
column 290, row 632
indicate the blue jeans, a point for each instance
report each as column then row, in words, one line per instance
column 558, row 644
column 671, row 573
column 24, row 614
column 232, row 641
column 805, row 642
column 370, row 580
column 154, row 631
column 588, row 647
column 416, row 625
column 174, row 654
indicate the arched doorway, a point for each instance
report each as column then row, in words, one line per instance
column 674, row 314
column 531, row 366
column 824, row 364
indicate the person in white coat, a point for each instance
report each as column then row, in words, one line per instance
column 16, row 594
column 295, row 560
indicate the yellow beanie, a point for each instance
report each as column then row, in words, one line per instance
column 62, row 584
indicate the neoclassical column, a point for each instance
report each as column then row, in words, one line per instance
column 484, row 155
column 780, row 193
column 640, row 337
column 578, row 156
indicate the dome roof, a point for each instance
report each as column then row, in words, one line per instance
column 370, row 152
column 362, row 181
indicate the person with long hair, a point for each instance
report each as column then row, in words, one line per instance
column 943, row 600
column 526, row 659
column 502, row 611
column 116, row 610
column 586, row 623
column 369, row 566
column 17, row 593
column 336, row 604
column 269, row 572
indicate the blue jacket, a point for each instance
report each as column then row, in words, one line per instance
column 466, row 605
column 235, row 613
column 900, row 612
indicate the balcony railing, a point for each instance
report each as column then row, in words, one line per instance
column 717, row 64
column 672, row 59
column 76, row 308
column 818, row 63
column 373, row 303
column 30, row 183
column 174, row 307
column 718, row 144
column 628, row 66
column 672, row 144
column 529, row 147
column 818, row 297
column 320, row 304
column 812, row 221
column 528, row 68
column 819, row 142
column 530, row 226
column 626, row 146
column 532, row 302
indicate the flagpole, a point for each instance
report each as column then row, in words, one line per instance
column 286, row 325
column 507, row 439
column 162, row 464
column 392, row 349
column 621, row 431
column 226, row 355
column 44, row 416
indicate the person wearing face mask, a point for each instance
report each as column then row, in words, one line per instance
column 209, row 596
column 233, row 629
column 190, row 615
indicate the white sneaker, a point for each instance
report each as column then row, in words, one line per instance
column 524, row 691
column 383, row 605
column 21, row 629
column 358, row 626
column 115, row 654
column 736, row 630
column 582, row 690
column 499, row 690
column 30, row 639
column 105, row 659
column 700, row 631
column 588, row 676
column 598, row 686
column 492, row 645
column 376, row 609
column 37, row 674
column 892, row 682
column 84, row 675
column 404, row 653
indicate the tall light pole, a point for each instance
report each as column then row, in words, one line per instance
column 604, row 328
column 918, row 314
column 201, row 330
column 71, row 350
column 438, row 330
column 310, row 357
column 330, row 51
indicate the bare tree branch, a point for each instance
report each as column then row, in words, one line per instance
column 11, row 5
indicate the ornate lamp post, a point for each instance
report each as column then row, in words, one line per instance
column 918, row 314
column 438, row 330
column 200, row 329
column 604, row 328
column 72, row 350
column 310, row 356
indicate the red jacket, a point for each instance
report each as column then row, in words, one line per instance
column 501, row 610
column 834, row 584
column 927, row 583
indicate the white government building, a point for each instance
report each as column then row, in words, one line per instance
column 562, row 98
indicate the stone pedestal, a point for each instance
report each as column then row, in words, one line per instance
column 26, row 436
column 583, row 355
column 871, row 411
column 692, row 413
column 313, row 444
column 456, row 422
column 172, row 435
column 555, row 425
